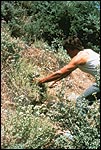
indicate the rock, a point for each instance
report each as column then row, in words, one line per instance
column 72, row 97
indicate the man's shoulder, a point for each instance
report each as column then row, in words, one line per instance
column 80, row 58
column 90, row 51
column 83, row 53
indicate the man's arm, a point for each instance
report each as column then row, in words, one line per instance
column 65, row 71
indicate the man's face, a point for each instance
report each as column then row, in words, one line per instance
column 68, row 51
column 72, row 53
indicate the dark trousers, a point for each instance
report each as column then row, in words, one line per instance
column 90, row 95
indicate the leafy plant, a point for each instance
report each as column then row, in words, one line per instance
column 23, row 130
column 84, row 133
column 53, row 21
column 10, row 47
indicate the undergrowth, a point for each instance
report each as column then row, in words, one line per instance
column 34, row 123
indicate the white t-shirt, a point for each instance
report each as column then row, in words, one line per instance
column 92, row 66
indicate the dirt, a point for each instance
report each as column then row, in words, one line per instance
column 73, row 85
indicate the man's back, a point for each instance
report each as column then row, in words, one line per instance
column 93, row 62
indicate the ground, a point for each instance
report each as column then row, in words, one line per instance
column 73, row 85
column 76, row 83
column 70, row 87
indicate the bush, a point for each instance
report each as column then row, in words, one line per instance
column 86, row 23
column 23, row 130
column 10, row 47
column 20, row 81
column 85, row 128
column 53, row 21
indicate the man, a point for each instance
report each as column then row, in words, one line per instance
column 85, row 59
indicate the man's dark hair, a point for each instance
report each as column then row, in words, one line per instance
column 73, row 42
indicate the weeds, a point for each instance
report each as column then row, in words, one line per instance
column 34, row 123
column 24, row 130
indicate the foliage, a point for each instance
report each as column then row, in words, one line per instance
column 23, row 130
column 81, row 126
column 53, row 21
column 19, row 80
column 22, row 127
column 10, row 47
column 98, row 76
column 86, row 22
column 38, row 116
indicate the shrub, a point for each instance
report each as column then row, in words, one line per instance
column 85, row 128
column 53, row 21
column 10, row 47
column 20, row 81
column 23, row 130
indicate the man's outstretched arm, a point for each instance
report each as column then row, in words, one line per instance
column 65, row 71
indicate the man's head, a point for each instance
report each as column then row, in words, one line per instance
column 73, row 45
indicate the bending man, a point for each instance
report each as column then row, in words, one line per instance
column 86, row 60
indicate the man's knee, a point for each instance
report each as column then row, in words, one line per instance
column 87, row 99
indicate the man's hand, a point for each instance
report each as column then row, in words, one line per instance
column 52, row 85
column 42, row 86
column 32, row 78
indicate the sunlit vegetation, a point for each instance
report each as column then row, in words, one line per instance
column 31, row 47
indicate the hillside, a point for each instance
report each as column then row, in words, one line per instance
column 16, row 91
column 74, row 84
column 46, row 117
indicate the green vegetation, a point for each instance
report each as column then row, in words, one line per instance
column 53, row 21
column 31, row 38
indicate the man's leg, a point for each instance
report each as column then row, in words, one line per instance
column 90, row 94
